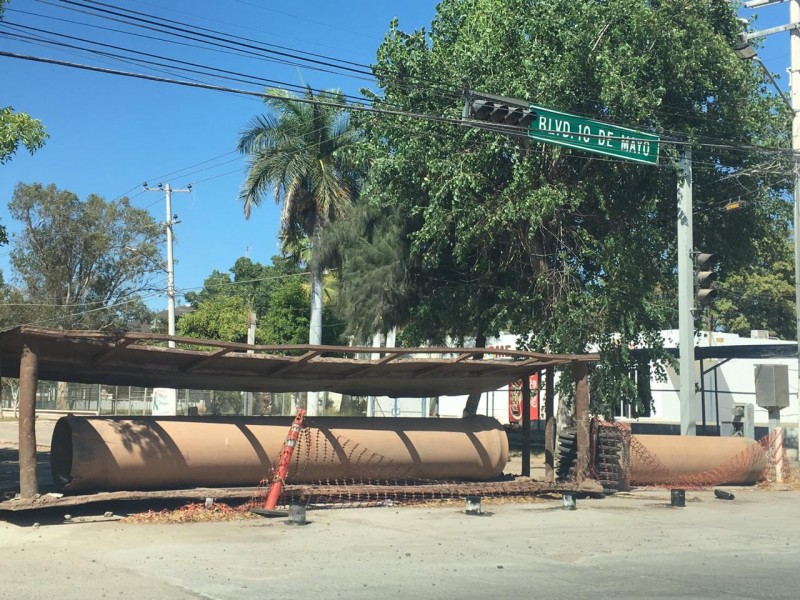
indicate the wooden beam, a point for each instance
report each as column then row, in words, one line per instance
column 428, row 369
column 111, row 351
column 581, row 372
column 526, row 426
column 468, row 355
column 28, row 382
column 188, row 368
column 549, row 428
column 390, row 358
column 295, row 362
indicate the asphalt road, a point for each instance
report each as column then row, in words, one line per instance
column 633, row 546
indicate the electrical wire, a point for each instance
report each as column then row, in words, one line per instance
column 331, row 62
column 716, row 145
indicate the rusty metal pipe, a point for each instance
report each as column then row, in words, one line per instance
column 668, row 459
column 173, row 452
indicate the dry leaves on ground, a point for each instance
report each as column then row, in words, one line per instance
column 192, row 513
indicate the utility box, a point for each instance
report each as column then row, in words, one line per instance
column 772, row 386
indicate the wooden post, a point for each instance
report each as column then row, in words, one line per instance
column 526, row 426
column 581, row 373
column 28, row 382
column 549, row 428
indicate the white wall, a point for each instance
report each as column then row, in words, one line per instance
column 735, row 382
column 493, row 404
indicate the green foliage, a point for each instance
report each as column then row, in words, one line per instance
column 760, row 295
column 286, row 321
column 368, row 253
column 82, row 264
column 18, row 128
column 14, row 309
column 299, row 150
column 221, row 317
column 562, row 247
column 277, row 293
column 302, row 150
column 225, row 403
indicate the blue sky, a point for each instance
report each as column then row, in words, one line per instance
column 110, row 134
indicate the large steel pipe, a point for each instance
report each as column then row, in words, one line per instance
column 173, row 452
column 672, row 459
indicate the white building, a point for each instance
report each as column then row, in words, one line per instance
column 725, row 383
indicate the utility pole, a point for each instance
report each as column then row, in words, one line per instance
column 794, row 83
column 171, row 220
column 252, row 321
column 686, row 291
column 744, row 51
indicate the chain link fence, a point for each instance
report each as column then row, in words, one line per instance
column 111, row 400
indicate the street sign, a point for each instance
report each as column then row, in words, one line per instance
column 554, row 127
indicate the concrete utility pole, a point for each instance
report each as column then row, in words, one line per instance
column 744, row 51
column 252, row 322
column 171, row 220
column 686, row 291
column 794, row 83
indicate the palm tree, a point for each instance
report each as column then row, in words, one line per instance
column 300, row 149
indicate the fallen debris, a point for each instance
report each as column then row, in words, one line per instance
column 194, row 512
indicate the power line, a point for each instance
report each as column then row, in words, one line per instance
column 201, row 69
column 247, row 45
column 178, row 29
column 450, row 91
column 262, row 95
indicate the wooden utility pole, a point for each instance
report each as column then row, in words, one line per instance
column 28, row 382
column 526, row 426
column 549, row 428
column 581, row 371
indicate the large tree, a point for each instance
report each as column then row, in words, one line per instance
column 83, row 264
column 562, row 247
column 301, row 151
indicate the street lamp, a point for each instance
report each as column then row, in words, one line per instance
column 745, row 51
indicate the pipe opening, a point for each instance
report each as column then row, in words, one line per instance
column 61, row 453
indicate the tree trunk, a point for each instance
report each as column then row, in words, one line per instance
column 566, row 407
column 315, row 329
column 433, row 406
column 14, row 396
column 62, row 396
column 473, row 400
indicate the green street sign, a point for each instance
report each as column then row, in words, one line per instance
column 554, row 127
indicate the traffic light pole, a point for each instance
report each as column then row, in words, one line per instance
column 794, row 85
column 686, row 292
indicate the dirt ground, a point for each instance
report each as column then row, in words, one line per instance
column 626, row 546
column 631, row 545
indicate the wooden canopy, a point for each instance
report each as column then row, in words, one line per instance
column 143, row 359
column 146, row 360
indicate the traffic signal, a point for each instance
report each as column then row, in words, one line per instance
column 705, row 276
column 496, row 109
